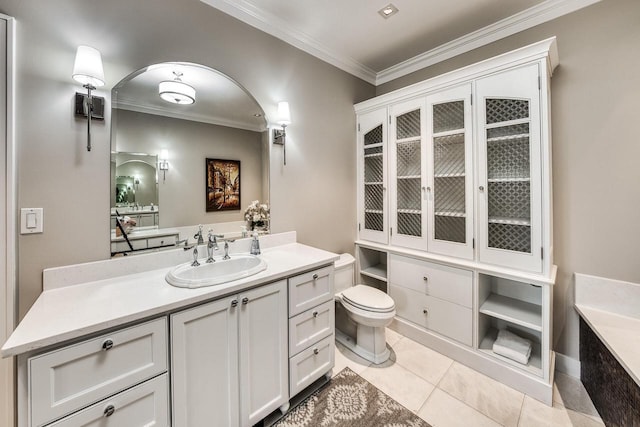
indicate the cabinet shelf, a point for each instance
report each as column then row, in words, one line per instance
column 514, row 179
column 374, row 211
column 450, row 175
column 368, row 156
column 378, row 271
column 410, row 211
column 510, row 221
column 508, row 137
column 410, row 177
column 508, row 123
column 373, row 183
column 454, row 214
column 513, row 310
column 410, row 140
column 535, row 361
column 376, row 145
column 449, row 133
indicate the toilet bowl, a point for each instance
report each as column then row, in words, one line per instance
column 368, row 311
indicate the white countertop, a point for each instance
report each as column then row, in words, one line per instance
column 611, row 308
column 69, row 312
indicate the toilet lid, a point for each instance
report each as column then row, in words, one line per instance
column 368, row 298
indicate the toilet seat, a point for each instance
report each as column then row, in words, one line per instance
column 368, row 299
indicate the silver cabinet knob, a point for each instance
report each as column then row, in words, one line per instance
column 425, row 278
column 315, row 277
column 245, row 301
column 315, row 314
column 429, row 189
column 234, row 303
column 109, row 410
column 107, row 345
column 425, row 311
column 481, row 188
column 316, row 351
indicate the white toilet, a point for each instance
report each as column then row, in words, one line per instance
column 362, row 313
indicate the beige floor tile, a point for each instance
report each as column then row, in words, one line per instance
column 347, row 358
column 493, row 399
column 422, row 361
column 392, row 337
column 443, row 410
column 400, row 384
column 537, row 414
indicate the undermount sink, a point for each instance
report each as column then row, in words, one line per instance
column 215, row 273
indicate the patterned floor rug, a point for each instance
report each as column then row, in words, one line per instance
column 349, row 400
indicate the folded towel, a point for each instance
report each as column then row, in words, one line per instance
column 512, row 346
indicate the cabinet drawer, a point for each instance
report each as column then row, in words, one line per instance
column 312, row 325
column 447, row 283
column 157, row 242
column 76, row 376
column 123, row 246
column 310, row 364
column 310, row 289
column 143, row 405
column 448, row 319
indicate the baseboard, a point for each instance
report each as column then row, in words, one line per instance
column 567, row 365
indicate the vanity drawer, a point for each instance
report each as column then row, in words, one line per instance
column 447, row 283
column 157, row 242
column 310, row 289
column 310, row 364
column 123, row 246
column 143, row 405
column 311, row 326
column 448, row 319
column 65, row 380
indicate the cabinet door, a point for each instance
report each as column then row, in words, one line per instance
column 509, row 170
column 263, row 352
column 450, row 180
column 406, row 177
column 372, row 176
column 204, row 364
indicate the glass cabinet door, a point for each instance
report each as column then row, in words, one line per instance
column 449, row 190
column 510, row 169
column 372, row 198
column 406, row 183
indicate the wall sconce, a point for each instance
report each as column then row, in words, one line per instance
column 163, row 163
column 88, row 71
column 283, row 118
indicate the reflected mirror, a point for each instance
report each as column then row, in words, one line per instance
column 167, row 120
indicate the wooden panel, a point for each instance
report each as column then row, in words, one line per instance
column 311, row 326
column 68, row 379
column 310, row 289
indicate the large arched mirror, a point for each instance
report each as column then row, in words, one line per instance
column 198, row 154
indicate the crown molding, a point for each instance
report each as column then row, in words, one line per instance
column 132, row 106
column 277, row 27
column 536, row 15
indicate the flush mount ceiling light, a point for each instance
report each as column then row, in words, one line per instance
column 176, row 91
column 388, row 11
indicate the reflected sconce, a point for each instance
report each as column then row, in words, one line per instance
column 279, row 135
column 88, row 71
column 176, row 91
column 163, row 163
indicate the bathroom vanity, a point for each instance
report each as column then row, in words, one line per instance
column 113, row 341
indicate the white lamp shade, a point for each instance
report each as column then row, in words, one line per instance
column 164, row 154
column 177, row 92
column 284, row 116
column 87, row 68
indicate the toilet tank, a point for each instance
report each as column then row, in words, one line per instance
column 345, row 272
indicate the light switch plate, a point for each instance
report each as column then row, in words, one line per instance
column 31, row 220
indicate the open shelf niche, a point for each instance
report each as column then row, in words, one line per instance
column 515, row 306
column 373, row 268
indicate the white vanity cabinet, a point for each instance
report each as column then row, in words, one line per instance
column 229, row 354
column 73, row 377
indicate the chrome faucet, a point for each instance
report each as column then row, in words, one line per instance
column 212, row 244
column 195, row 262
column 255, row 244
column 198, row 236
column 226, row 251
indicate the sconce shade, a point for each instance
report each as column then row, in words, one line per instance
column 87, row 68
column 177, row 92
column 284, row 116
column 164, row 154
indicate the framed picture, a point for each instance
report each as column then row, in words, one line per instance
column 223, row 185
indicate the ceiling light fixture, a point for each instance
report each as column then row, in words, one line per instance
column 388, row 11
column 176, row 91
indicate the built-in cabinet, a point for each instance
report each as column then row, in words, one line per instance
column 455, row 198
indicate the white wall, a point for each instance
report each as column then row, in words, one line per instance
column 594, row 105
column 314, row 194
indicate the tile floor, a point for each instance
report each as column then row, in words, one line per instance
column 447, row 393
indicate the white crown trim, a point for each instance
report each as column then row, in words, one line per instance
column 277, row 27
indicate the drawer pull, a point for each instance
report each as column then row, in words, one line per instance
column 245, row 301
column 315, row 276
column 109, row 410
column 107, row 345
column 425, row 278
column 425, row 311
column 234, row 303
column 315, row 351
column 315, row 314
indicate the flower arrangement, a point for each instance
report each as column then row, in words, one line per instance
column 257, row 214
column 127, row 223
